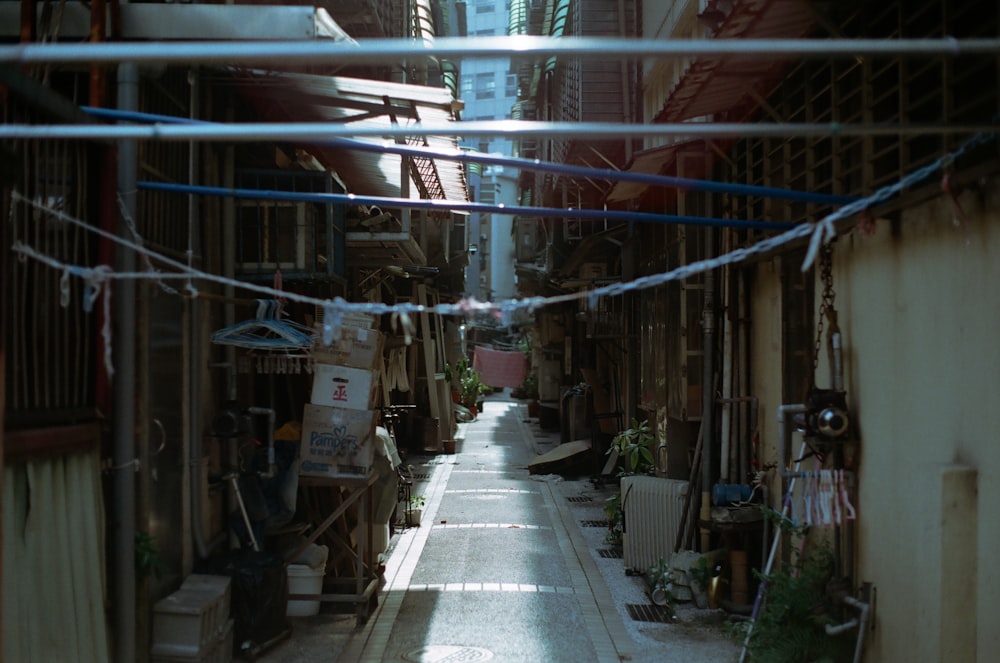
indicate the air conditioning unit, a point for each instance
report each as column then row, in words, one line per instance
column 653, row 508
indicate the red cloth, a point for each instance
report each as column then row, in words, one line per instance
column 497, row 368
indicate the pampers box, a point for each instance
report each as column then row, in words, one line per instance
column 336, row 442
column 340, row 386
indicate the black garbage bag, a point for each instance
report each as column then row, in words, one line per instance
column 259, row 596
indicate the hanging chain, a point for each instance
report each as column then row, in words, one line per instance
column 826, row 309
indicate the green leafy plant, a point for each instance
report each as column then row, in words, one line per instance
column 470, row 388
column 700, row 574
column 147, row 555
column 417, row 501
column 635, row 447
column 529, row 387
column 661, row 579
column 613, row 510
column 797, row 607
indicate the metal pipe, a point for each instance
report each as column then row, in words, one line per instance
column 837, row 369
column 865, row 609
column 195, row 360
column 309, row 132
column 123, row 422
column 860, row 622
column 460, row 206
column 270, row 435
column 785, row 414
column 465, row 156
column 708, row 395
column 370, row 51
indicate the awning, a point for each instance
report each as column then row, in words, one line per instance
column 286, row 97
column 659, row 161
column 733, row 84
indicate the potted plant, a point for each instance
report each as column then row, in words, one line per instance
column 635, row 448
column 470, row 388
column 661, row 584
column 415, row 510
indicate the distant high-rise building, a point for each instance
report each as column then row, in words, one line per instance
column 488, row 87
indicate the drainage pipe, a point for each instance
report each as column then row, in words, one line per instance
column 861, row 622
column 123, row 422
column 725, row 407
column 708, row 396
column 195, row 343
column 785, row 414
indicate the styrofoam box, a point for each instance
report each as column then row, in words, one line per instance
column 220, row 650
column 186, row 621
column 357, row 347
column 345, row 387
column 220, row 586
column 336, row 442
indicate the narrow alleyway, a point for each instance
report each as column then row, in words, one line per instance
column 502, row 570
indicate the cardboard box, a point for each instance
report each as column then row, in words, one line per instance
column 336, row 443
column 356, row 348
column 342, row 386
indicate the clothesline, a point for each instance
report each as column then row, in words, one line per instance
column 819, row 233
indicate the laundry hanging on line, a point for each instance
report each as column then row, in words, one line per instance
column 498, row 368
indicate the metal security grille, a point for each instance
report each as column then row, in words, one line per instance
column 50, row 347
column 871, row 90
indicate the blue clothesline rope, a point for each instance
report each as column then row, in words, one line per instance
column 453, row 206
column 524, row 164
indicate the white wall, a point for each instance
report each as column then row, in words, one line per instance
column 919, row 311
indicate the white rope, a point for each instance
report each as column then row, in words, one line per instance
column 820, row 232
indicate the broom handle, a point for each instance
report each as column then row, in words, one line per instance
column 762, row 588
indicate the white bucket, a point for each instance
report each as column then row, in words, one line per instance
column 304, row 580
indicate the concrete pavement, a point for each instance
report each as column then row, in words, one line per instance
column 502, row 569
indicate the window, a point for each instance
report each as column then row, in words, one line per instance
column 272, row 235
column 487, row 32
column 485, row 7
column 486, row 86
column 511, row 88
column 468, row 85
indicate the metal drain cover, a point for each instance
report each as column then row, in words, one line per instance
column 448, row 654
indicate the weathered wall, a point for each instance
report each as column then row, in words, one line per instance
column 919, row 310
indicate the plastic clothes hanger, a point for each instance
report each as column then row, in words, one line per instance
column 265, row 332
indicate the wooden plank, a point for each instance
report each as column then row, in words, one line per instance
column 429, row 352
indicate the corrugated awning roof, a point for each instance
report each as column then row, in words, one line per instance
column 291, row 97
column 659, row 161
column 720, row 85
column 730, row 85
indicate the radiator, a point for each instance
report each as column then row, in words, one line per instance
column 653, row 509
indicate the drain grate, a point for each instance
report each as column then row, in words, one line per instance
column 647, row 613
column 580, row 499
column 447, row 653
column 594, row 523
column 420, row 476
column 610, row 553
